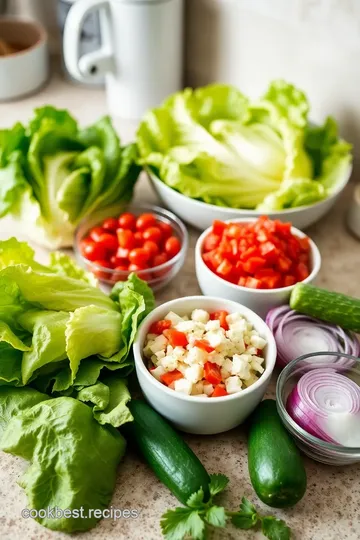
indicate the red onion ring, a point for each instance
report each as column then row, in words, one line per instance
column 318, row 397
column 296, row 334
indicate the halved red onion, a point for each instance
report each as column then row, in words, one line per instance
column 296, row 334
column 326, row 404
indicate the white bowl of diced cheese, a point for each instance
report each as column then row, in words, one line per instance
column 204, row 363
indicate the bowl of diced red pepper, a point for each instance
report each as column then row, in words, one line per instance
column 255, row 261
column 146, row 240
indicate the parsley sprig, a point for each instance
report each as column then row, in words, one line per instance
column 193, row 519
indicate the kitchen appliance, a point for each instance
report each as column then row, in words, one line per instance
column 89, row 39
column 140, row 53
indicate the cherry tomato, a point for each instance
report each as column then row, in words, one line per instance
column 138, row 239
column 159, row 259
column 151, row 247
column 102, row 274
column 127, row 221
column 137, row 267
column 153, row 233
column 110, row 224
column 108, row 241
column 121, row 268
column 126, row 238
column 93, row 251
column 172, row 246
column 95, row 233
column 165, row 228
column 145, row 221
column 158, row 327
column 122, row 253
column 139, row 256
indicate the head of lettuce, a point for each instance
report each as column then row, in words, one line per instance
column 53, row 174
column 216, row 145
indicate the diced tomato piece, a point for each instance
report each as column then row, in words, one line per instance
column 218, row 227
column 254, row 263
column 211, row 242
column 176, row 338
column 220, row 316
column 283, row 228
column 304, row 257
column 304, row 244
column 171, row 376
column 271, row 282
column 301, row 271
column 289, row 280
column 262, row 236
column 283, row 264
column 204, row 345
column 240, row 268
column 250, row 252
column 212, row 373
column 242, row 281
column 219, row 391
column 253, row 283
column 158, row 327
column 225, row 268
column 268, row 250
column 234, row 231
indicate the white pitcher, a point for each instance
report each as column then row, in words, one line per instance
column 140, row 55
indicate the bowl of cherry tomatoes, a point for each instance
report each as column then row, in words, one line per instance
column 147, row 240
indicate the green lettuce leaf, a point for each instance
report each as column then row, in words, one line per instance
column 14, row 401
column 73, row 459
column 10, row 365
column 216, row 145
column 52, row 174
column 62, row 264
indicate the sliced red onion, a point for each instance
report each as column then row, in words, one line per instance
column 296, row 334
column 326, row 404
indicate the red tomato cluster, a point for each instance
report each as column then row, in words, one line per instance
column 130, row 244
column 259, row 255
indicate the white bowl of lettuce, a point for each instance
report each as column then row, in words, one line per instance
column 212, row 153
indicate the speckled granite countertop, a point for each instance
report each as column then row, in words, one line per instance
column 330, row 508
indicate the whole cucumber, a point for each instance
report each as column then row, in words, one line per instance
column 171, row 459
column 328, row 306
column 276, row 468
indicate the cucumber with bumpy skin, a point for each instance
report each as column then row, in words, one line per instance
column 328, row 306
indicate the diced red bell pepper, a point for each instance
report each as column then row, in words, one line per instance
column 220, row 316
column 271, row 282
column 212, row 373
column 218, row 227
column 171, row 376
column 176, row 338
column 301, row 271
column 225, row 268
column 211, row 242
column 219, row 391
column 158, row 327
column 204, row 345
column 253, row 283
column 289, row 280
column 283, row 263
column 250, row 252
column 268, row 250
column 253, row 264
column 242, row 281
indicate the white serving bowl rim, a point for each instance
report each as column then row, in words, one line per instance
column 314, row 250
column 170, row 306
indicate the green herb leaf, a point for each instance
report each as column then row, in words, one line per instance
column 244, row 521
column 247, row 507
column 218, row 482
column 275, row 529
column 196, row 500
column 181, row 522
column 216, row 516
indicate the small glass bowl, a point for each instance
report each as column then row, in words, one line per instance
column 317, row 449
column 158, row 276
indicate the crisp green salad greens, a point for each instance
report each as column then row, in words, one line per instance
column 193, row 520
column 53, row 174
column 64, row 353
column 216, row 145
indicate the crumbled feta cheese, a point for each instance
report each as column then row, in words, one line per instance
column 208, row 389
column 216, row 358
column 240, row 367
column 186, row 326
column 227, row 365
column 212, row 325
column 173, row 317
column 200, row 315
column 196, row 356
column 184, row 386
column 225, row 374
column 182, row 367
column 179, row 352
column 198, row 388
column 257, row 342
column 233, row 317
column 215, row 338
column 194, row 373
column 169, row 363
column 157, row 372
column 159, row 343
column 236, row 338
column 233, row 385
column 256, row 366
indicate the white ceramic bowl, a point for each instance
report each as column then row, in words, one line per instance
column 198, row 414
column 259, row 300
column 201, row 215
